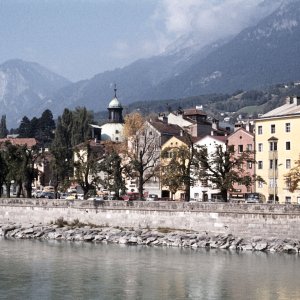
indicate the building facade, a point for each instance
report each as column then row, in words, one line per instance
column 243, row 140
column 277, row 148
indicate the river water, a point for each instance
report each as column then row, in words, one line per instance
column 69, row 270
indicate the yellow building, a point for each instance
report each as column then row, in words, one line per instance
column 174, row 144
column 277, row 148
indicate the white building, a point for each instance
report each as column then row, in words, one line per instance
column 202, row 189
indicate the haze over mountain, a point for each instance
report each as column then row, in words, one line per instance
column 261, row 55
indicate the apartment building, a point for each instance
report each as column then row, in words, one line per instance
column 277, row 148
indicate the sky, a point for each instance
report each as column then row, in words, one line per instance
column 81, row 38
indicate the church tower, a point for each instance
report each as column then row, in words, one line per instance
column 115, row 110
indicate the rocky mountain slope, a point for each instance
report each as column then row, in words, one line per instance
column 26, row 89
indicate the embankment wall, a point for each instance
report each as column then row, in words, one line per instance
column 246, row 220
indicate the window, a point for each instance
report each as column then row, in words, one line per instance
column 273, row 146
column 288, row 199
column 287, row 163
column 249, row 147
column 287, row 127
column 259, row 130
column 273, row 128
column 260, row 184
column 260, row 164
column 260, row 147
column 249, row 164
column 240, row 148
column 288, row 145
column 117, row 131
column 271, row 183
column 273, row 163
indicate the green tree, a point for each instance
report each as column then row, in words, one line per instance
column 3, row 128
column 115, row 172
column 25, row 130
column 72, row 129
column 222, row 168
column 81, row 118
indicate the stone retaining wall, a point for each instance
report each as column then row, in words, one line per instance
column 244, row 220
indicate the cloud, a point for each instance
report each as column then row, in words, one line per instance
column 210, row 19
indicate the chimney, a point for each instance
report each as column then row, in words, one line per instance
column 162, row 117
column 215, row 124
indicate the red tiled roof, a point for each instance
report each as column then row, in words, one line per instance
column 30, row 142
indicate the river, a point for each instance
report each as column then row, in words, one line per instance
column 70, row 270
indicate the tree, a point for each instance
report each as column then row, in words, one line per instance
column 45, row 128
column 222, row 168
column 86, row 166
column 80, row 132
column 292, row 178
column 143, row 152
column 3, row 171
column 114, row 172
column 72, row 129
column 24, row 129
column 27, row 170
column 176, row 172
column 18, row 167
column 3, row 128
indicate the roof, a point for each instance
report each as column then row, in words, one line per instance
column 165, row 128
column 243, row 130
column 193, row 112
column 30, row 142
column 287, row 109
column 114, row 103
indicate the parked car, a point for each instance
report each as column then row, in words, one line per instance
column 255, row 198
column 131, row 196
column 48, row 195
column 152, row 197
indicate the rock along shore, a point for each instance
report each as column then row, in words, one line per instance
column 148, row 237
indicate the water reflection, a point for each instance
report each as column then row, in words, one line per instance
column 62, row 270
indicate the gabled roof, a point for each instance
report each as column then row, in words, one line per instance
column 165, row 128
column 30, row 142
column 288, row 109
column 243, row 130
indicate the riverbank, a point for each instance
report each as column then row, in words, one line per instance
column 164, row 237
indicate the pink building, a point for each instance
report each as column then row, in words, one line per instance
column 242, row 140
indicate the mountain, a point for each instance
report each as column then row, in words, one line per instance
column 25, row 89
column 132, row 81
column 261, row 55
column 258, row 56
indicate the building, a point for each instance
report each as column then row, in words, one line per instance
column 113, row 129
column 202, row 189
column 277, row 148
column 149, row 140
column 196, row 122
column 173, row 145
column 243, row 140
